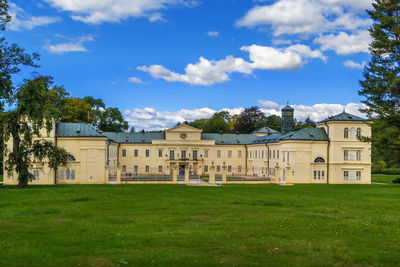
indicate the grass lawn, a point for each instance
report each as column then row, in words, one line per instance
column 131, row 225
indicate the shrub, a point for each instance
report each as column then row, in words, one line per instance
column 391, row 171
column 396, row 181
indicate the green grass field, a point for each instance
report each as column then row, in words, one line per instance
column 131, row 225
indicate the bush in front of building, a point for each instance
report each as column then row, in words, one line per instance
column 391, row 171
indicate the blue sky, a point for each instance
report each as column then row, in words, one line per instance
column 164, row 61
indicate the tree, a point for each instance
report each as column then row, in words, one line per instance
column 219, row 122
column 273, row 121
column 245, row 123
column 381, row 83
column 111, row 120
column 35, row 108
column 78, row 110
column 12, row 59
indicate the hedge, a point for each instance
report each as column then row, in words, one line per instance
column 391, row 171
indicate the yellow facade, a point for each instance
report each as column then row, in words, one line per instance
column 182, row 154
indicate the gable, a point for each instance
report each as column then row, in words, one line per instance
column 183, row 132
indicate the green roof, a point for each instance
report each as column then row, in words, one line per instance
column 134, row 137
column 230, row 139
column 76, row 130
column 287, row 107
column 344, row 117
column 266, row 130
column 305, row 134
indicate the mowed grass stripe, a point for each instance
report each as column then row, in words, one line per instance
column 101, row 225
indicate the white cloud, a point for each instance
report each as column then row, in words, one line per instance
column 354, row 65
column 152, row 119
column 20, row 20
column 317, row 112
column 98, row 11
column 135, row 80
column 72, row 46
column 205, row 72
column 345, row 44
column 308, row 16
column 149, row 118
column 212, row 33
column 208, row 72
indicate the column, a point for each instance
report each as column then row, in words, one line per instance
column 211, row 178
column 118, row 174
column 175, row 174
column 186, row 174
column 106, row 174
column 224, row 172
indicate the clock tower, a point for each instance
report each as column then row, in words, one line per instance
column 287, row 119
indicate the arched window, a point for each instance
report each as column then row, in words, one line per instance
column 346, row 133
column 70, row 158
column 358, row 132
column 353, row 133
column 319, row 160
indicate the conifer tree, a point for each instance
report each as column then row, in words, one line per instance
column 381, row 83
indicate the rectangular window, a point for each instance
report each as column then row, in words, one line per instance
column 62, row 174
column 256, row 154
column 124, row 152
column 319, row 175
column 229, row 168
column 288, row 157
column 269, row 156
column 147, row 153
column 229, row 153
column 123, row 168
column 352, row 154
column 147, row 168
column 195, row 154
column 136, row 153
column 358, row 175
column 239, row 154
column 171, row 154
column 72, row 174
column 239, row 168
column 136, row 168
column 346, row 175
column 346, row 155
column 218, row 168
column 36, row 174
column 160, row 153
column 205, row 168
column 277, row 156
column 358, row 155
column 315, row 175
column 183, row 154
column 159, row 168
column 68, row 174
column 283, row 156
column 274, row 154
column 262, row 154
column 206, row 153
column 352, row 175
column 218, row 153
column 322, row 175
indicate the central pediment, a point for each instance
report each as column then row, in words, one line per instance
column 183, row 132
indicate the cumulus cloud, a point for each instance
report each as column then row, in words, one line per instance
column 98, row 11
column 135, row 80
column 307, row 16
column 212, row 33
column 21, row 20
column 208, row 72
column 71, row 46
column 152, row 119
column 353, row 65
column 345, row 44
column 317, row 112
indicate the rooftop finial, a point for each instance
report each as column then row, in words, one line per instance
column 287, row 102
column 344, row 110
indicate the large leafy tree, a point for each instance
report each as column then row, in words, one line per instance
column 245, row 123
column 218, row 123
column 381, row 83
column 12, row 59
column 27, row 124
column 111, row 120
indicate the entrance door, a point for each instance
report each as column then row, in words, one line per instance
column 182, row 169
column 283, row 177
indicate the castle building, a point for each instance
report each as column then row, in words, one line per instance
column 332, row 153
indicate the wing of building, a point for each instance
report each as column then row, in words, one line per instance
column 331, row 153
